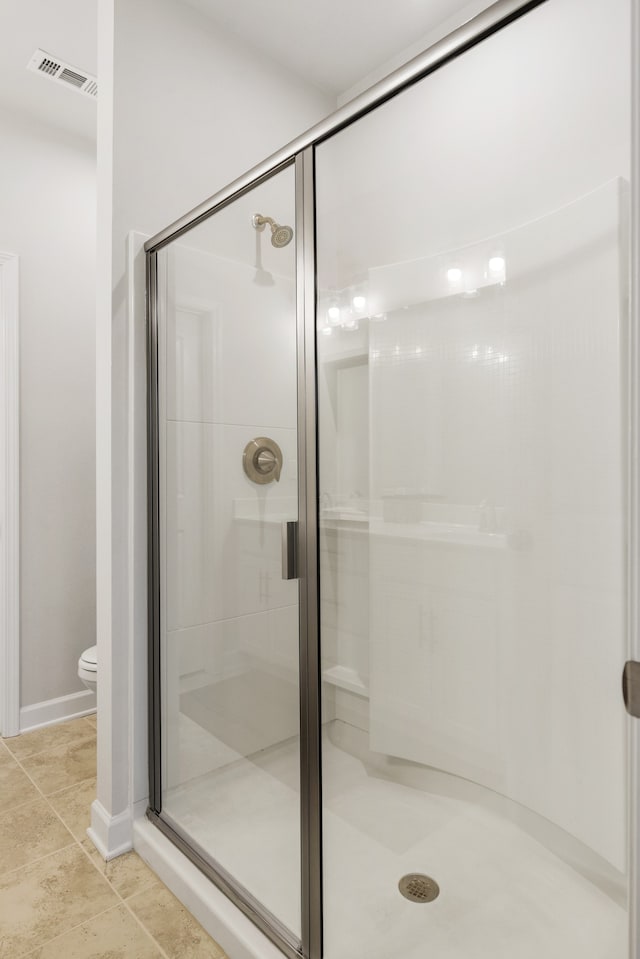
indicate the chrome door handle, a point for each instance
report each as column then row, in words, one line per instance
column 290, row 549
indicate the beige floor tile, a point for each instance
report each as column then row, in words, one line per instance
column 5, row 755
column 29, row 832
column 15, row 787
column 127, row 874
column 92, row 720
column 177, row 932
column 50, row 737
column 62, row 765
column 49, row 898
column 114, row 934
column 73, row 805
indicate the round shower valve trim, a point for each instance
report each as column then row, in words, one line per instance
column 262, row 460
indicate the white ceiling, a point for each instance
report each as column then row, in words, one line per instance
column 64, row 28
column 333, row 44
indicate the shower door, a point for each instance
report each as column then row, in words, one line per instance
column 225, row 650
column 472, row 259
column 407, row 333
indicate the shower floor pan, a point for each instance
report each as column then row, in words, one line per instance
column 502, row 893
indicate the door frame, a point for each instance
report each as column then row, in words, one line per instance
column 633, row 495
column 10, row 497
column 268, row 923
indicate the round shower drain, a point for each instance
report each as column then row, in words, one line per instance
column 418, row 888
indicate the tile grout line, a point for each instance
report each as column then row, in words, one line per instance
column 34, row 862
column 84, row 719
column 36, row 786
column 81, row 782
column 78, row 925
column 40, row 797
column 105, row 877
column 77, row 842
column 73, row 835
column 162, row 952
column 22, row 769
column 30, row 778
column 87, row 922
column 74, row 841
column 124, row 901
column 79, row 742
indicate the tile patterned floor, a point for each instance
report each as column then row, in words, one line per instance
column 58, row 899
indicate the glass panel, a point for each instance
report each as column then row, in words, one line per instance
column 472, row 320
column 229, row 654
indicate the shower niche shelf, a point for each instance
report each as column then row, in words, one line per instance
column 345, row 678
column 357, row 357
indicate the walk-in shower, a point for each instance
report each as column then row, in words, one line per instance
column 388, row 510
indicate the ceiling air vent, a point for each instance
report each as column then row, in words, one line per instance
column 62, row 72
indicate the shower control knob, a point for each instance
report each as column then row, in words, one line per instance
column 262, row 460
column 265, row 461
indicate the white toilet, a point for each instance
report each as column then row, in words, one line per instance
column 88, row 667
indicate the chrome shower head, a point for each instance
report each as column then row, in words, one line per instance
column 280, row 235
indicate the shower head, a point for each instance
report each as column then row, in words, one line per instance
column 280, row 235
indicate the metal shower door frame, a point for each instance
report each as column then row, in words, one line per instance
column 268, row 923
column 310, row 944
column 301, row 152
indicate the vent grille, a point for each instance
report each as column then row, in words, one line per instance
column 49, row 66
column 75, row 79
column 62, row 72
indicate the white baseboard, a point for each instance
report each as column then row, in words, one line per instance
column 57, row 710
column 225, row 922
column 111, row 835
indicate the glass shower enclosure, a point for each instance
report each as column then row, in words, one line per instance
column 388, row 478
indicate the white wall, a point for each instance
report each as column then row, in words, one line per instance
column 464, row 13
column 192, row 110
column 530, row 392
column 525, row 122
column 47, row 217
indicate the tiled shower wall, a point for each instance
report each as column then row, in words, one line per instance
column 489, row 579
